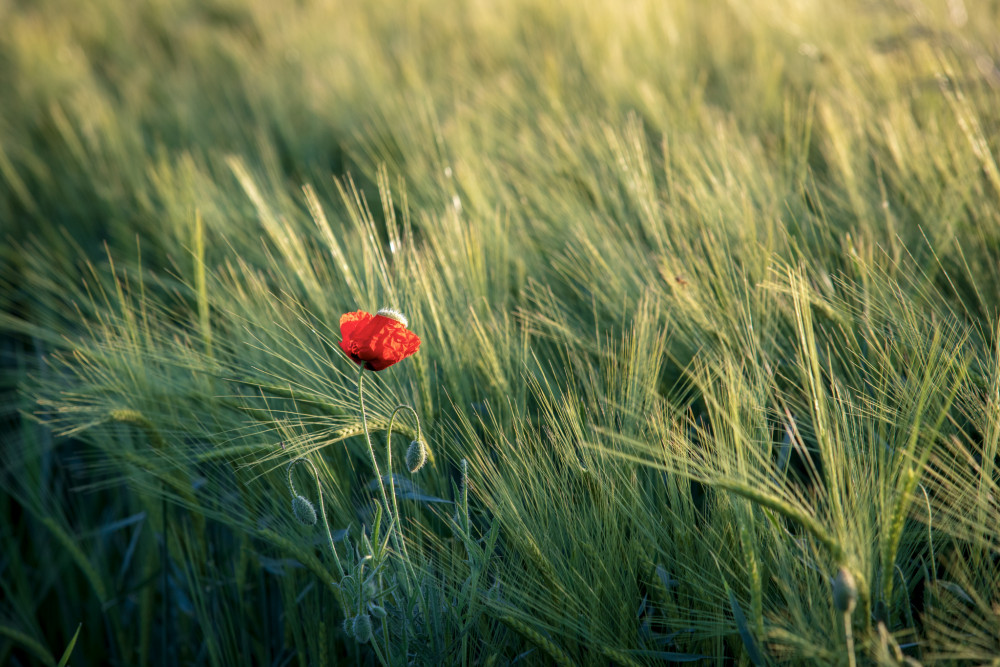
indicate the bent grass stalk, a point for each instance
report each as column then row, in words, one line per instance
column 806, row 521
column 172, row 479
column 29, row 643
column 307, row 559
column 784, row 508
column 553, row 650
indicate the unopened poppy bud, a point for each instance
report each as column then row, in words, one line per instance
column 348, row 626
column 376, row 610
column 845, row 591
column 304, row 511
column 349, row 587
column 363, row 628
column 416, row 456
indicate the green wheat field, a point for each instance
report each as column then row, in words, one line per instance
column 709, row 300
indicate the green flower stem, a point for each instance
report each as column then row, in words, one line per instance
column 393, row 511
column 393, row 518
column 322, row 508
column 378, row 653
column 849, row 634
column 392, row 418
column 368, row 440
column 392, row 479
column 464, row 466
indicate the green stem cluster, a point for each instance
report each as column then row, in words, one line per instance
column 393, row 509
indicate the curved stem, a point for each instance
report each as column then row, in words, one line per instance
column 322, row 508
column 392, row 479
column 783, row 507
column 403, row 406
column 416, row 417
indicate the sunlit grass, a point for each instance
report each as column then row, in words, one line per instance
column 708, row 298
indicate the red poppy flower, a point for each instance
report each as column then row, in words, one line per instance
column 377, row 341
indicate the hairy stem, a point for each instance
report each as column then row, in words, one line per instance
column 322, row 508
column 368, row 441
column 849, row 633
column 392, row 480
column 393, row 516
column 394, row 527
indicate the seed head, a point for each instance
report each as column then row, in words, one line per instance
column 394, row 314
column 416, row 456
column 363, row 628
column 845, row 591
column 304, row 511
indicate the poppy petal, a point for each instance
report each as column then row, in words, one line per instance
column 392, row 345
column 349, row 322
column 349, row 325
column 369, row 337
column 376, row 341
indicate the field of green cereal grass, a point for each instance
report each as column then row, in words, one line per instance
column 707, row 295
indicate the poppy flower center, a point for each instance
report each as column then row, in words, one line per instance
column 394, row 314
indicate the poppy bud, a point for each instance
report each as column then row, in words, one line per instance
column 304, row 511
column 348, row 626
column 845, row 591
column 377, row 611
column 363, row 628
column 416, row 456
column 349, row 587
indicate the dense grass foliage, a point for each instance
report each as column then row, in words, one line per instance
column 708, row 294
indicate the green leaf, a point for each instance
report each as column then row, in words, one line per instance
column 670, row 656
column 753, row 651
column 69, row 649
column 28, row 642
